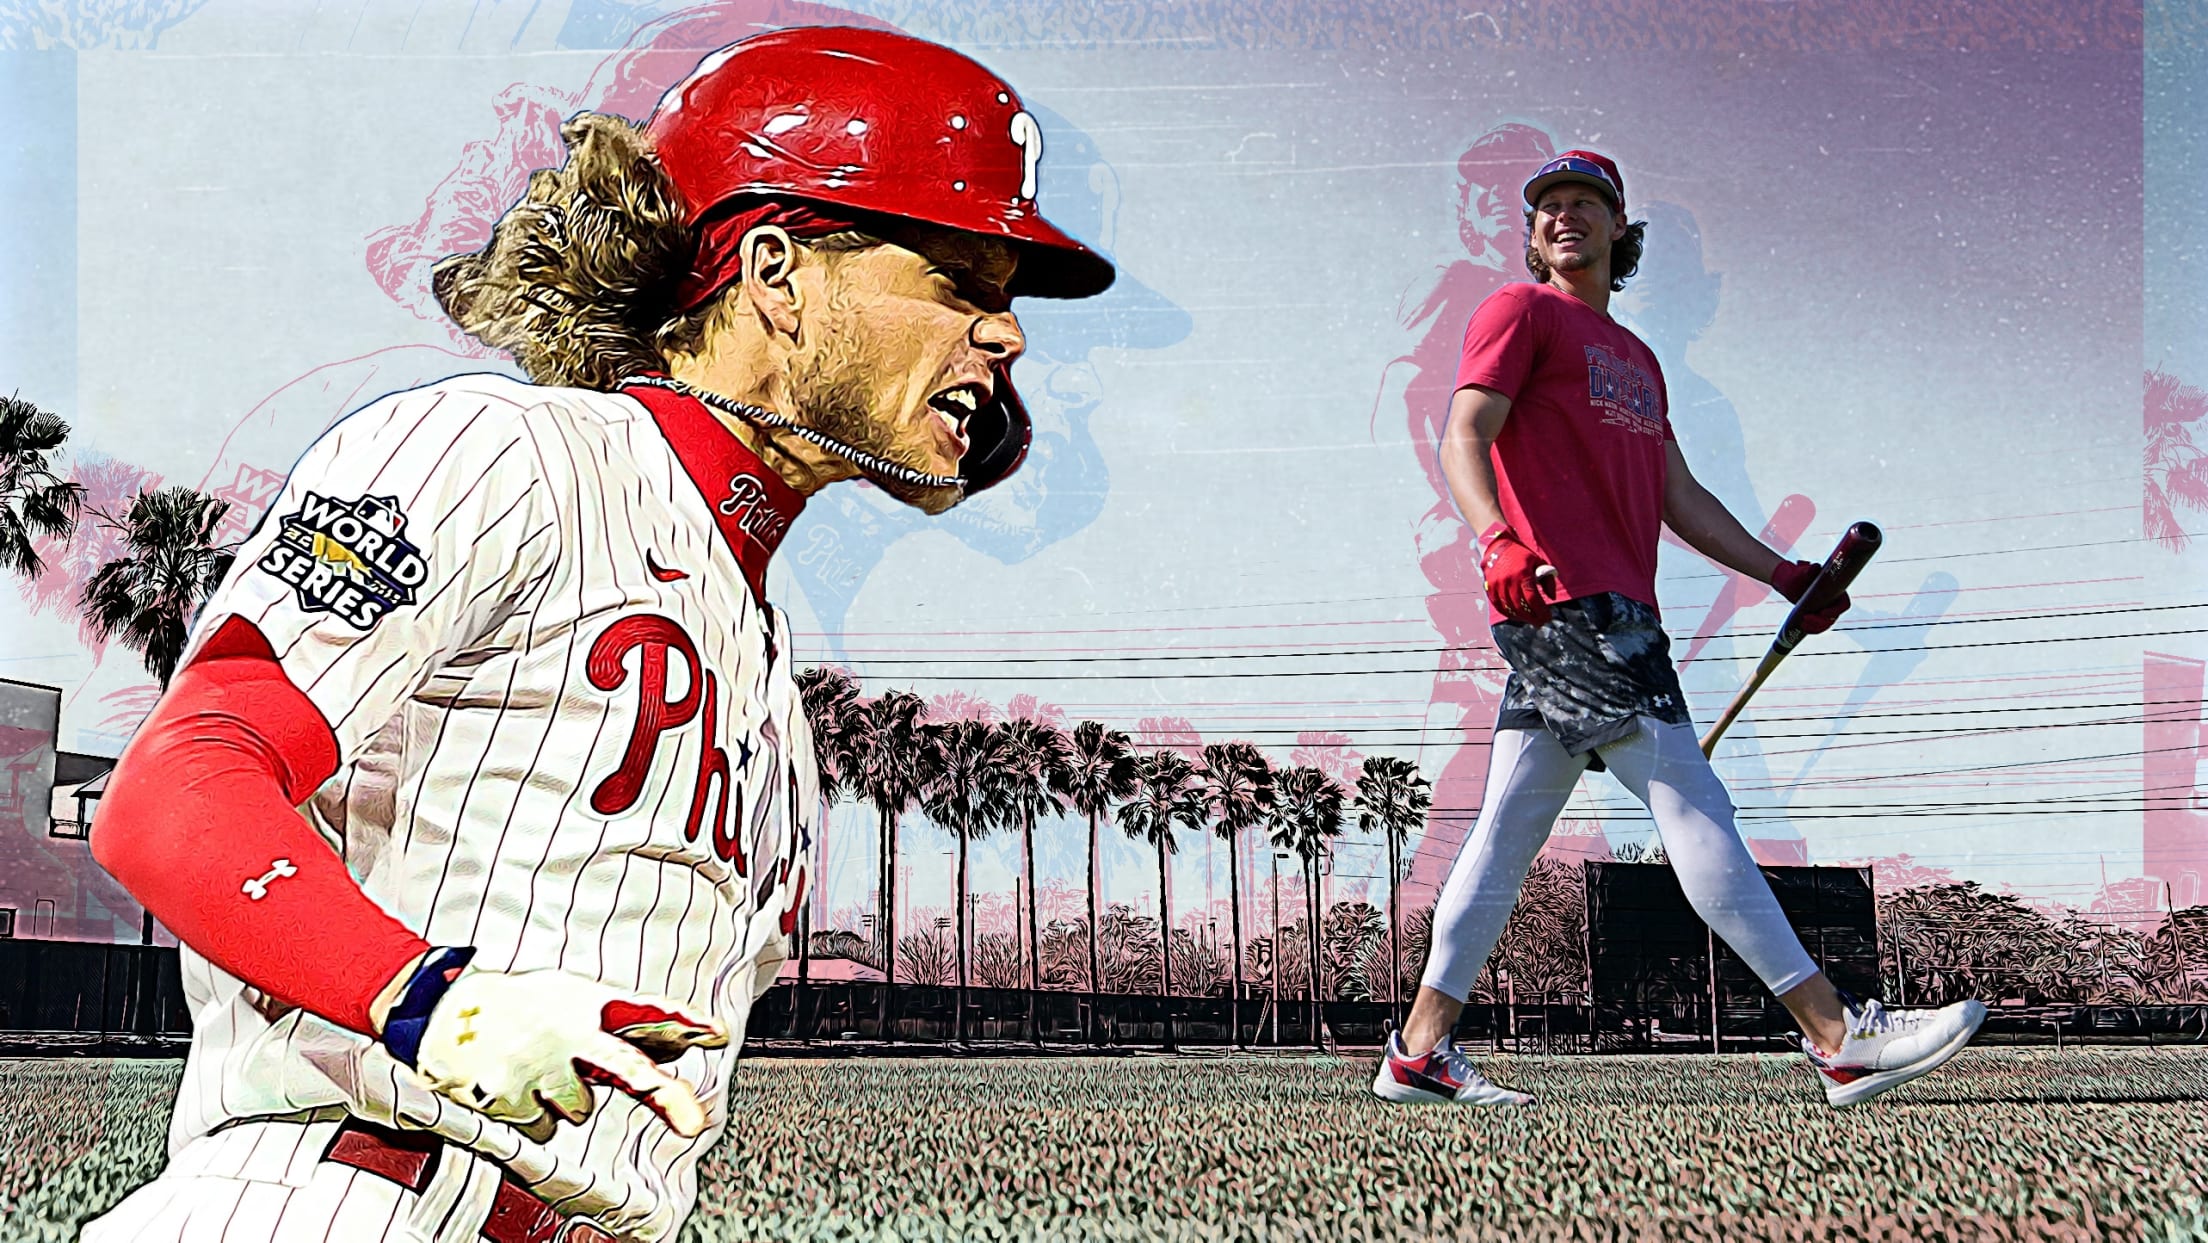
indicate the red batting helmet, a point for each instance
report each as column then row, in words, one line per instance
column 875, row 121
column 878, row 121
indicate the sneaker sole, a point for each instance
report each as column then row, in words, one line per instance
column 1388, row 1089
column 1871, row 1085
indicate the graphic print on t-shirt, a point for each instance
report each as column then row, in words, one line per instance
column 1626, row 393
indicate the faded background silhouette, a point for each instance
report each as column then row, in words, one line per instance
column 1896, row 271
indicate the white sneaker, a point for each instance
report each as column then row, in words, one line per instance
column 1442, row 1076
column 1887, row 1048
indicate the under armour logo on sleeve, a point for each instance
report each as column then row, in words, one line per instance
column 257, row 887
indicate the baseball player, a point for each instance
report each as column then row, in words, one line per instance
column 483, row 799
column 1559, row 451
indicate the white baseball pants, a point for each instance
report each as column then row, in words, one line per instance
column 268, row 1182
column 1530, row 776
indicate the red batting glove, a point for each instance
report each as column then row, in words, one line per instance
column 1509, row 568
column 1793, row 578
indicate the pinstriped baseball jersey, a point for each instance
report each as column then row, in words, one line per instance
column 570, row 737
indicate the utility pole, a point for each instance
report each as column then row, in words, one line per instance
column 2177, row 945
column 1498, row 966
column 1277, row 856
column 1716, row 1040
column 1901, row 967
column 802, row 1029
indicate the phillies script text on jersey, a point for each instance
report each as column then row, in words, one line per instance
column 658, row 638
column 747, row 503
column 660, row 641
column 350, row 558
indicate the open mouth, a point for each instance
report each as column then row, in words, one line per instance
column 953, row 407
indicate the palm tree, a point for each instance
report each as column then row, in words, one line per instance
column 1237, row 783
column 831, row 700
column 1033, row 759
column 146, row 598
column 966, row 796
column 1307, row 817
column 1100, row 773
column 1165, row 795
column 886, row 740
column 34, row 500
column 830, row 697
column 1392, row 800
column 2176, row 465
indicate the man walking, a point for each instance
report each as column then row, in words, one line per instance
column 1559, row 451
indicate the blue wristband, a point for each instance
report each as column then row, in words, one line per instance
column 409, row 1017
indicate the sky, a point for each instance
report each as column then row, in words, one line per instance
column 1907, row 270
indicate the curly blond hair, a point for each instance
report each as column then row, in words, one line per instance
column 577, row 280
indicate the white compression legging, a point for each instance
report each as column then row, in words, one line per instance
column 1530, row 776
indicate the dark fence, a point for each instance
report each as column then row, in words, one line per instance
column 71, row 995
column 73, row 986
column 918, row 1013
column 1659, row 979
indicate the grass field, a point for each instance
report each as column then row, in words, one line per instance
column 2090, row 1143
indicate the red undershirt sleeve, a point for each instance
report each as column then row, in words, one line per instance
column 201, row 822
column 403, row 545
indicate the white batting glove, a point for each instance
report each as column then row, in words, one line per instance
column 524, row 1048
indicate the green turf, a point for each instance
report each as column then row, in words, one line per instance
column 2090, row 1143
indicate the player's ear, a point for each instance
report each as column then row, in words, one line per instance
column 771, row 260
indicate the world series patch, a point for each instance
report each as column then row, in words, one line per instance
column 348, row 558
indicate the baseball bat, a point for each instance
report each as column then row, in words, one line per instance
column 1849, row 556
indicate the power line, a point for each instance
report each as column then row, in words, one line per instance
column 1237, row 726
column 1984, row 768
column 1889, row 561
column 2108, row 679
column 1424, row 650
column 1378, row 673
column 2195, row 702
column 1623, row 815
column 2130, row 800
column 1353, row 733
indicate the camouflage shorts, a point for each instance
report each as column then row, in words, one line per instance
column 1600, row 663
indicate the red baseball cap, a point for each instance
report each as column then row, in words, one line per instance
column 1599, row 171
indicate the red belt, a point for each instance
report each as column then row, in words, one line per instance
column 409, row 1158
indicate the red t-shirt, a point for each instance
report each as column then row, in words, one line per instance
column 1579, row 466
